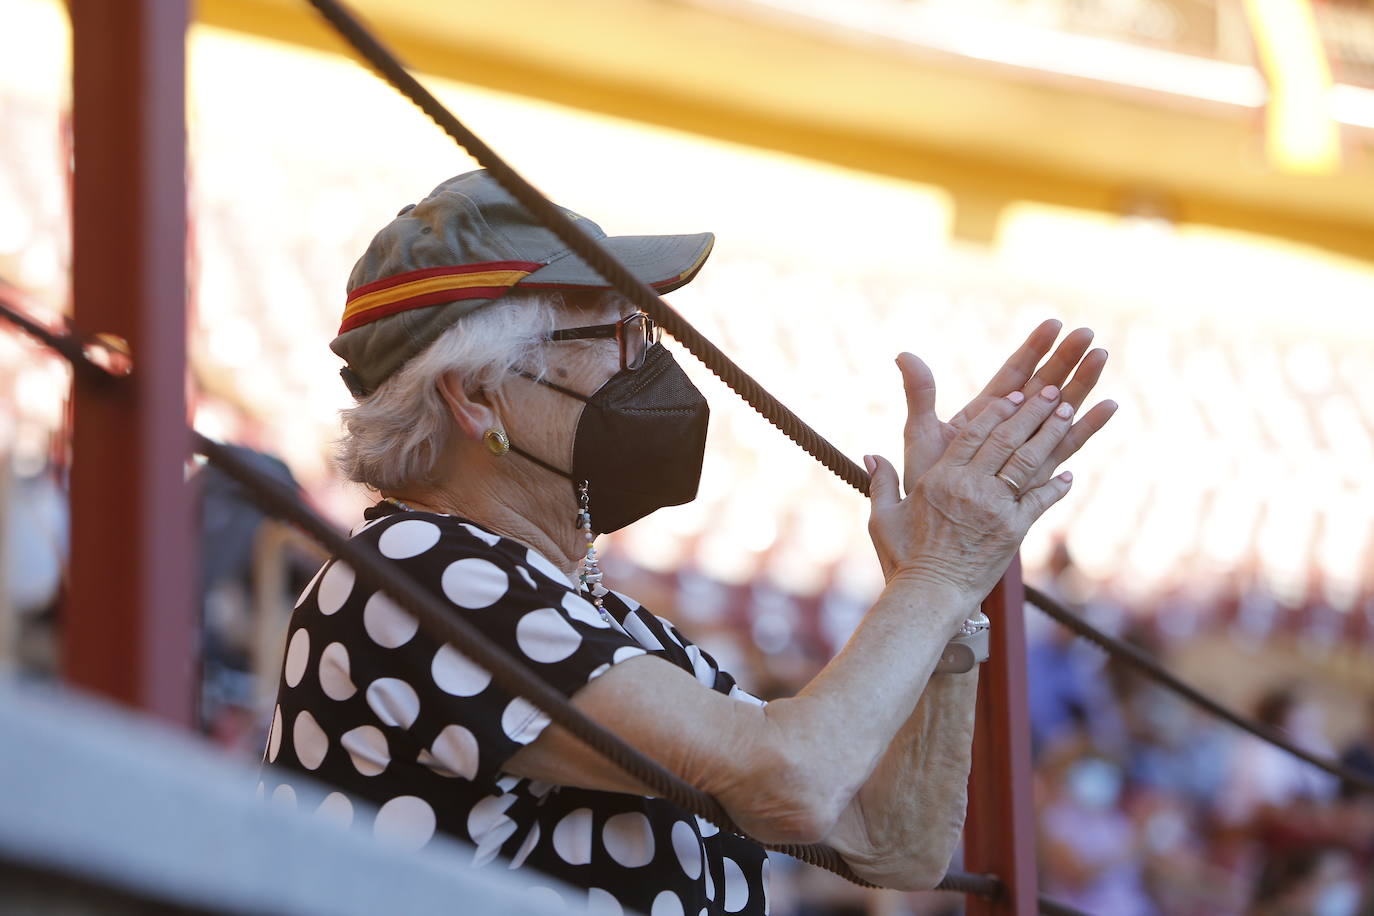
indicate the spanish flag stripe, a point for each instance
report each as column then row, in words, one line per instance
column 425, row 273
column 409, row 290
column 414, row 302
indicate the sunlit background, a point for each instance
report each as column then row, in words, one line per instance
column 1193, row 179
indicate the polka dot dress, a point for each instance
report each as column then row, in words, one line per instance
column 382, row 713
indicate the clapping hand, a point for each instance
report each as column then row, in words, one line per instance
column 927, row 436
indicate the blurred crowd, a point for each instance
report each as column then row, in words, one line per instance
column 1148, row 805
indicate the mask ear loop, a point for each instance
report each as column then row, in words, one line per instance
column 526, row 455
column 590, row 576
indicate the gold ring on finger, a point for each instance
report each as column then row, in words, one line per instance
column 1009, row 481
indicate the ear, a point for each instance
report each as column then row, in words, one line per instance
column 472, row 413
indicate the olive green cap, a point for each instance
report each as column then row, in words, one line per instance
column 465, row 245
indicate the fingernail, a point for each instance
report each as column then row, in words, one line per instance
column 1016, row 397
column 870, row 463
column 1067, row 476
column 1049, row 392
column 1064, row 410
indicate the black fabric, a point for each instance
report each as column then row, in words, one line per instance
column 639, row 443
column 373, row 707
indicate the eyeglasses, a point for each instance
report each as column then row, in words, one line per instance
column 634, row 333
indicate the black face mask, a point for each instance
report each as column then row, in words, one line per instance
column 639, row 442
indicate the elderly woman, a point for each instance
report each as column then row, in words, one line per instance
column 509, row 410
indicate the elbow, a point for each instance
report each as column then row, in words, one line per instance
column 906, row 873
column 785, row 803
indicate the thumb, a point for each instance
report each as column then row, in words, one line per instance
column 882, row 484
column 919, row 383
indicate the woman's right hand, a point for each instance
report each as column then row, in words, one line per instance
column 960, row 524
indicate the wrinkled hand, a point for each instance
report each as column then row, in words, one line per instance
column 927, row 436
column 960, row 525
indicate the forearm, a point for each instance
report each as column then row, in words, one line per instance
column 902, row 827
column 841, row 725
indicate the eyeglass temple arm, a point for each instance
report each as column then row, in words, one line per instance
column 592, row 331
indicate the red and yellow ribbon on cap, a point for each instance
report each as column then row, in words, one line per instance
column 432, row 286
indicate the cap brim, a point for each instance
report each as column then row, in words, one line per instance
column 665, row 262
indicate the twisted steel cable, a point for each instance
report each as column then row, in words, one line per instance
column 589, row 250
column 1140, row 660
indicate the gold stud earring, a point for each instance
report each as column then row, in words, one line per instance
column 496, row 441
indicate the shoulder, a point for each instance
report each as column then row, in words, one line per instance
column 430, row 540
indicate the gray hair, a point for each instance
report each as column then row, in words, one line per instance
column 394, row 437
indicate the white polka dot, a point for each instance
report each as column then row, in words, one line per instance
column 582, row 610
column 598, row 671
column 409, row 538
column 394, row 701
column 297, row 654
column 484, row 536
column 544, row 636
column 335, row 587
column 667, row 904
column 526, row 847
column 386, row 623
column 487, row 814
column 313, row 579
column 474, row 583
column 629, row 839
column 284, row 795
column 406, row 821
column 703, row 669
column 710, row 883
column 489, row 827
column 309, row 741
column 335, row 678
column 367, row 747
column 641, row 632
column 625, row 652
column 766, row 860
column 544, row 566
column 630, row 603
column 522, row 721
column 688, row 849
column 736, row 887
column 572, row 837
column 525, row 574
column 706, row 827
column 455, row 673
column 274, row 738
column 603, row 903
column 455, row 752
column 336, row 808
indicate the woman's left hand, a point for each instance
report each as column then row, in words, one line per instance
column 927, row 436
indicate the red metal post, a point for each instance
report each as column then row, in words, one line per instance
column 128, row 628
column 999, row 837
